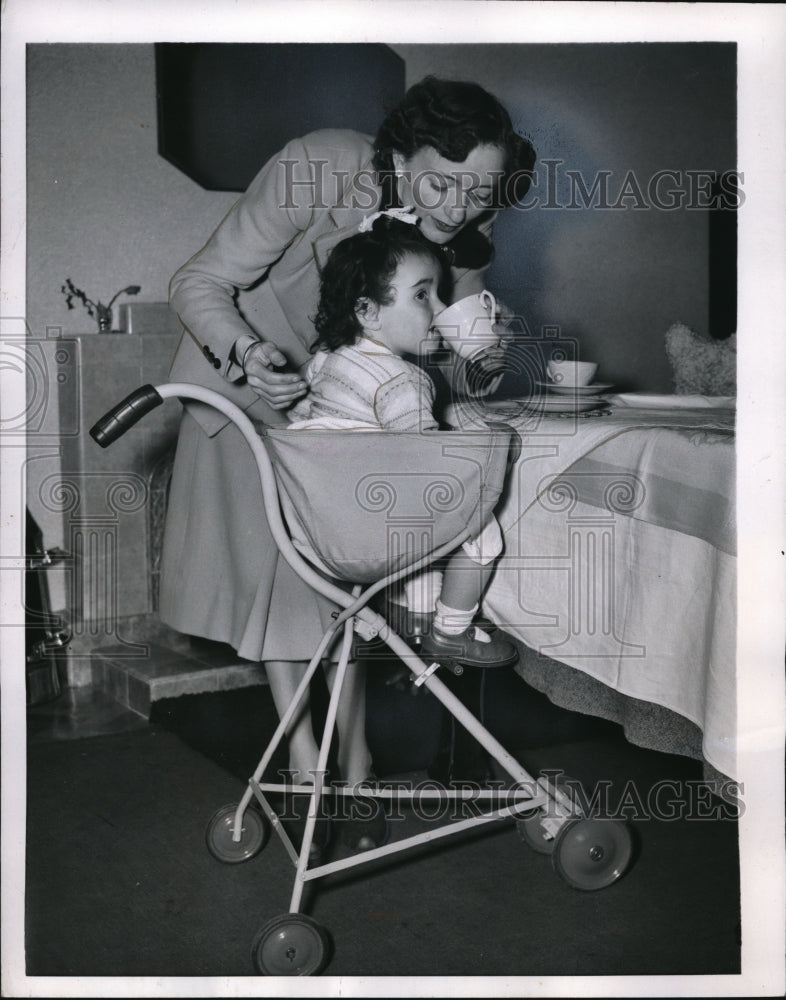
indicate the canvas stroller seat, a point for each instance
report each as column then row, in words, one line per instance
column 369, row 508
column 357, row 517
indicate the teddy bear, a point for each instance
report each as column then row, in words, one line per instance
column 700, row 364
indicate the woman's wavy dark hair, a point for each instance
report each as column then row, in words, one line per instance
column 454, row 117
column 363, row 266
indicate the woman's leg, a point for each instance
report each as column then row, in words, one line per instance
column 354, row 757
column 283, row 677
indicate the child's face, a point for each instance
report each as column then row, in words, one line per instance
column 405, row 324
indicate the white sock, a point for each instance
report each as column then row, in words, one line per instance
column 453, row 621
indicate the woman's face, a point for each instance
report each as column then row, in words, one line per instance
column 445, row 194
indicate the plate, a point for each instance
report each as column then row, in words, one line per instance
column 576, row 390
column 545, row 404
column 650, row 401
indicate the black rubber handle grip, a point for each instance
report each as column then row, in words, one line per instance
column 117, row 421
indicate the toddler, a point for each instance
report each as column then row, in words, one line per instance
column 379, row 294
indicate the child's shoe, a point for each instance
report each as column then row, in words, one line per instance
column 412, row 626
column 468, row 649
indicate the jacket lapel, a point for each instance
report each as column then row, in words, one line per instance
column 361, row 197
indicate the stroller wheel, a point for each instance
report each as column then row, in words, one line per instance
column 253, row 835
column 590, row 854
column 529, row 826
column 531, row 831
column 291, row 945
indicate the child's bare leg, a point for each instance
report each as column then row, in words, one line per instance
column 464, row 582
column 451, row 637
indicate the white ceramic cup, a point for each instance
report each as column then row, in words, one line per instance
column 467, row 327
column 571, row 373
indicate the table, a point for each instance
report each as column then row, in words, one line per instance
column 620, row 556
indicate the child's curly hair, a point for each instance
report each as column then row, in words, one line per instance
column 363, row 266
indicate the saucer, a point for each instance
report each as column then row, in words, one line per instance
column 576, row 390
column 545, row 404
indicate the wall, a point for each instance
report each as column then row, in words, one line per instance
column 106, row 210
column 103, row 209
column 613, row 279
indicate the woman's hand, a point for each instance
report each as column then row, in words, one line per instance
column 481, row 375
column 492, row 360
column 278, row 389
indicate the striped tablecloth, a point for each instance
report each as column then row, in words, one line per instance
column 620, row 556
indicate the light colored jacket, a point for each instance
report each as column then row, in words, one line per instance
column 259, row 271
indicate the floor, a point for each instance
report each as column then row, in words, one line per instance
column 143, row 892
column 79, row 713
column 689, row 861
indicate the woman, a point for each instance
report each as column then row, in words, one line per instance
column 246, row 301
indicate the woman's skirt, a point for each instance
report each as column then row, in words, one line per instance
column 221, row 575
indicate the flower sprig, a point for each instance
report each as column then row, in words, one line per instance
column 103, row 313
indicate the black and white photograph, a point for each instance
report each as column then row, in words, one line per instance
column 393, row 503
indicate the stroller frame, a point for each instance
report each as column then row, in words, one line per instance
column 588, row 853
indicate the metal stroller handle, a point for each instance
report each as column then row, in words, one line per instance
column 125, row 414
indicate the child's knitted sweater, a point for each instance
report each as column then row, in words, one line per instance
column 368, row 385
